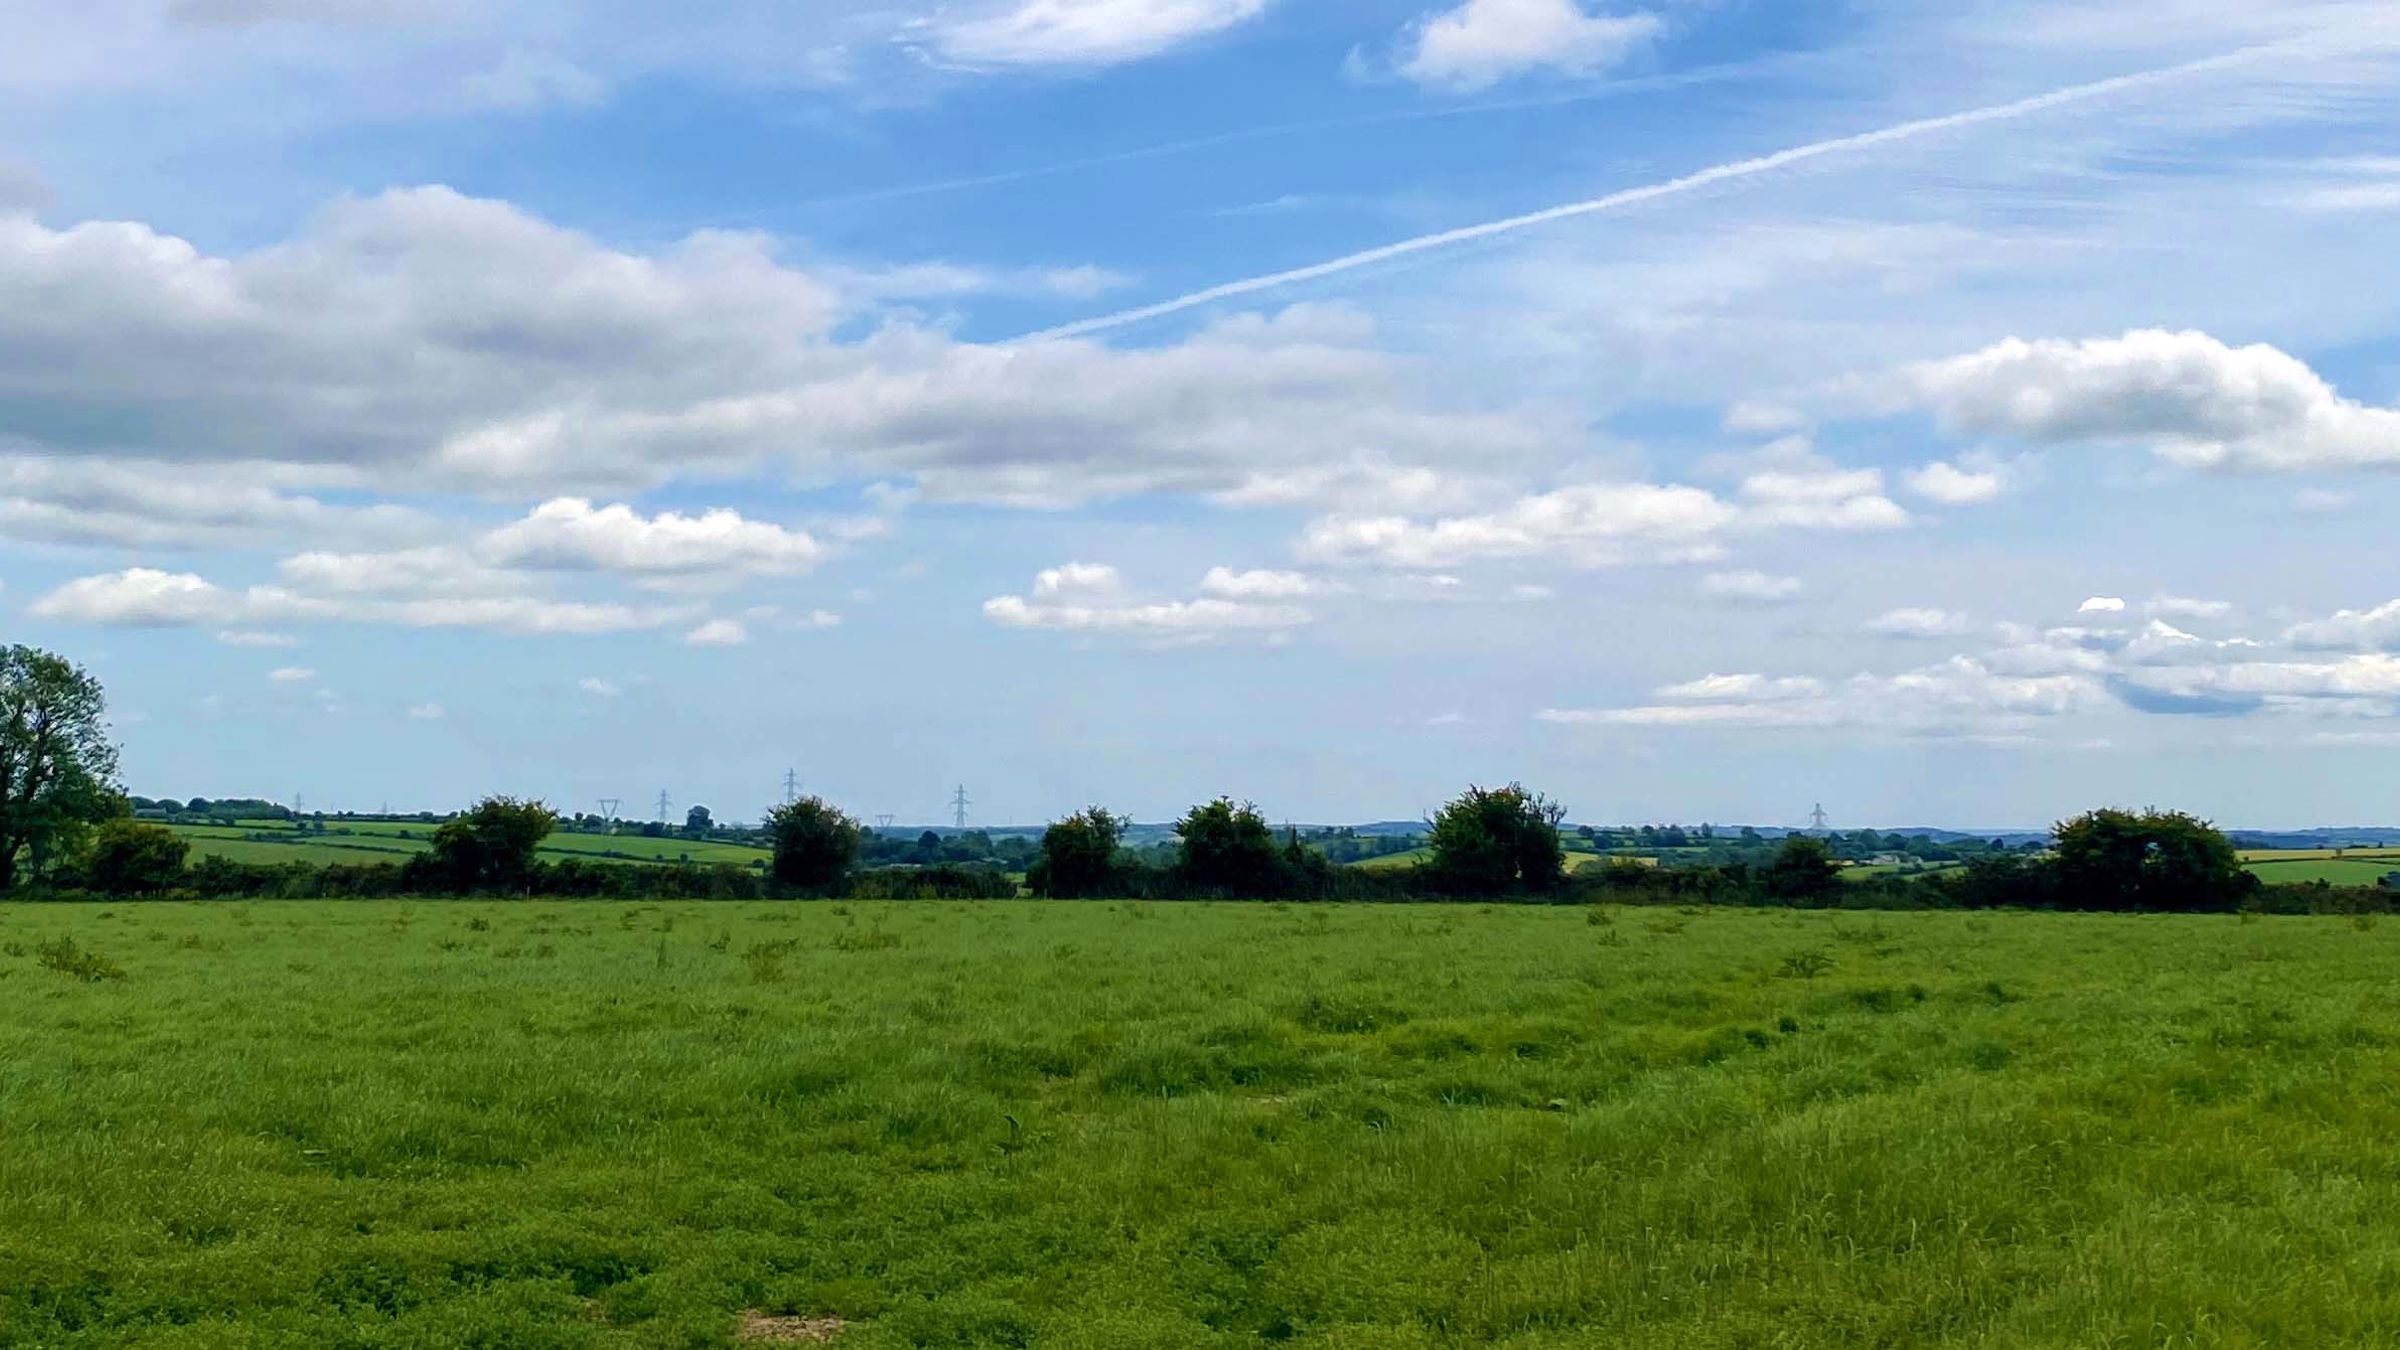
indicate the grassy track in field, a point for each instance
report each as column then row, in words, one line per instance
column 1103, row 1125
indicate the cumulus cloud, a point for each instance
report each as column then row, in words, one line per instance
column 718, row 633
column 1750, row 588
column 53, row 499
column 2102, row 604
column 2376, row 629
column 1083, row 32
column 1959, row 697
column 428, row 339
column 1225, row 583
column 1093, row 598
column 1819, row 499
column 1919, row 623
column 1952, row 485
column 1483, row 42
column 2187, row 607
column 1588, row 525
column 2191, row 398
column 143, row 597
column 291, row 675
column 600, row 688
column 571, row 534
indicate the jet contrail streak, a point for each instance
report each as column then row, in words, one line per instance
column 1723, row 173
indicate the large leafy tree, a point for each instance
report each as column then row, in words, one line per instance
column 1078, row 856
column 2147, row 860
column 1804, row 872
column 815, row 843
column 58, row 770
column 132, row 858
column 1492, row 841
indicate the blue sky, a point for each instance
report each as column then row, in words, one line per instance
column 1959, row 414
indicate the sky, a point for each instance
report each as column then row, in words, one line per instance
column 1961, row 415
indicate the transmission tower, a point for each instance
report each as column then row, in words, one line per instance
column 1816, row 818
column 791, row 786
column 884, row 823
column 665, row 803
column 958, row 806
column 608, row 812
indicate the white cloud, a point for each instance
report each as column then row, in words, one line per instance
column 2194, row 400
column 143, row 597
column 2376, row 629
column 600, row 688
column 718, row 633
column 1743, row 689
column 569, row 533
column 1819, row 498
column 2102, row 604
column 1589, row 525
column 1919, row 623
column 1750, row 588
column 1959, row 697
column 2321, row 501
column 2187, row 607
column 1483, row 42
column 1088, row 597
column 1084, row 32
column 291, row 675
column 1227, row 584
column 1952, row 485
column 244, row 637
column 427, row 712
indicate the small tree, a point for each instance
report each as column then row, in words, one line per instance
column 1804, row 872
column 1229, row 849
column 697, row 822
column 491, row 847
column 57, row 768
column 1491, row 841
column 815, row 843
column 1078, row 856
column 131, row 858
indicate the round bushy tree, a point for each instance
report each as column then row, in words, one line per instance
column 491, row 846
column 1078, row 856
column 1804, row 872
column 131, row 858
column 1229, row 849
column 815, row 843
column 2114, row 859
column 1493, row 841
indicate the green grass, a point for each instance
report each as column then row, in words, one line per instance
column 1100, row 1125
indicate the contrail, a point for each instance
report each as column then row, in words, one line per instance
column 1723, row 173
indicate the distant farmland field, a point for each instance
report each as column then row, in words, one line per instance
column 368, row 841
column 1119, row 1126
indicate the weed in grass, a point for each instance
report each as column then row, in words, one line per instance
column 70, row 958
column 1804, row 965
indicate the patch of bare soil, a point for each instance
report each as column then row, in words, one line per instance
column 758, row 1326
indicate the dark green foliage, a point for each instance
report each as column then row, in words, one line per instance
column 71, row 959
column 1229, row 850
column 1804, row 872
column 1497, row 841
column 490, row 848
column 1078, row 857
column 130, row 858
column 944, row 881
column 57, row 768
column 814, row 842
column 2163, row 860
column 697, row 822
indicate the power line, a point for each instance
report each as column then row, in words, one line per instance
column 958, row 806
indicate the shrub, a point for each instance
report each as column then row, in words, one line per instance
column 1078, row 857
column 1492, row 841
column 130, row 858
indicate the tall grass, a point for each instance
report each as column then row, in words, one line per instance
column 1103, row 1125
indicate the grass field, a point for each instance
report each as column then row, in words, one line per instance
column 1100, row 1125
column 369, row 841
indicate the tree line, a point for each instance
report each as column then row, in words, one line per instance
column 66, row 828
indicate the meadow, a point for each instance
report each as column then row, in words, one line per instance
column 373, row 841
column 1112, row 1125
